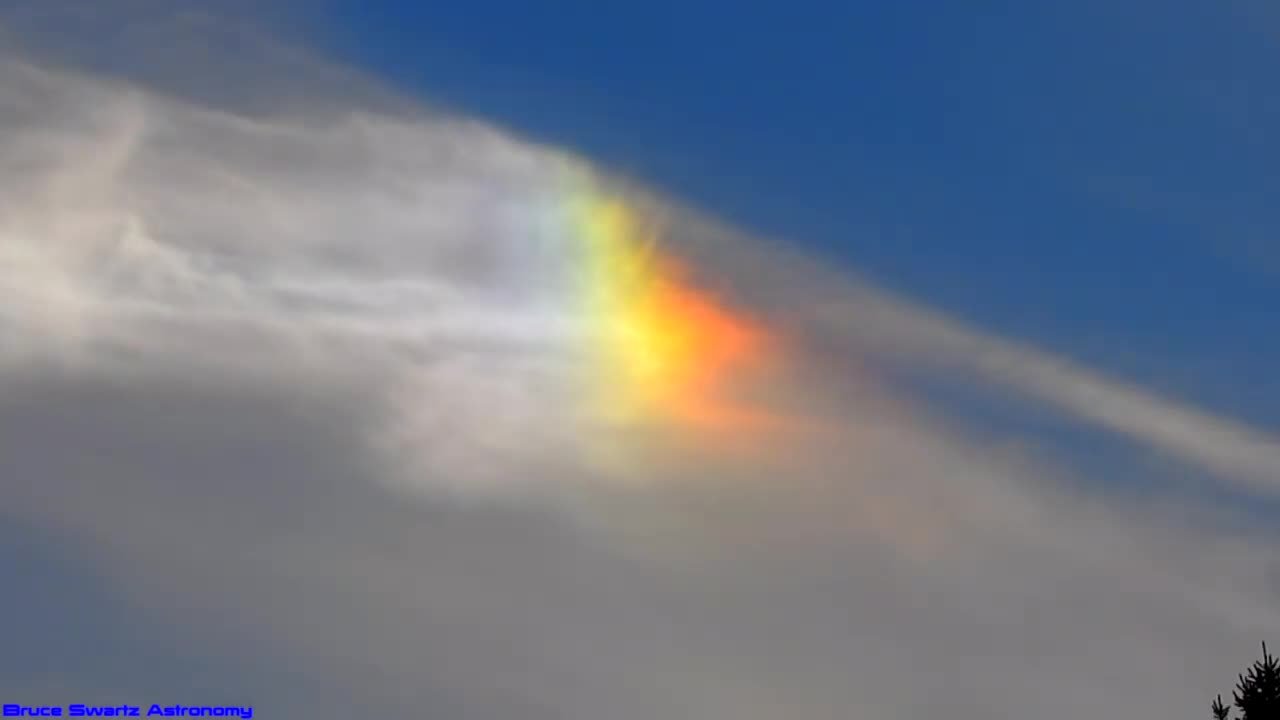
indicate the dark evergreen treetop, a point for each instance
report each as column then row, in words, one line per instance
column 1257, row 694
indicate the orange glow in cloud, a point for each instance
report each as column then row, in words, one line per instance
column 668, row 350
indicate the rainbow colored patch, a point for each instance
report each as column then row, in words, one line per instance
column 662, row 348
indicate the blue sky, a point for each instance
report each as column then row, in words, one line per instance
column 1092, row 176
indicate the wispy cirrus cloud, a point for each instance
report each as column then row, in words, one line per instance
column 235, row 337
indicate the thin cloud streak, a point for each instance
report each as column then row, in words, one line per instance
column 1233, row 450
column 850, row 315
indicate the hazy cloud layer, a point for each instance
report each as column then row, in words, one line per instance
column 290, row 387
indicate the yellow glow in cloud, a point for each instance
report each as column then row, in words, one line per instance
column 667, row 349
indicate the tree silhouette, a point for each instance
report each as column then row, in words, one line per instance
column 1257, row 694
column 1220, row 711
